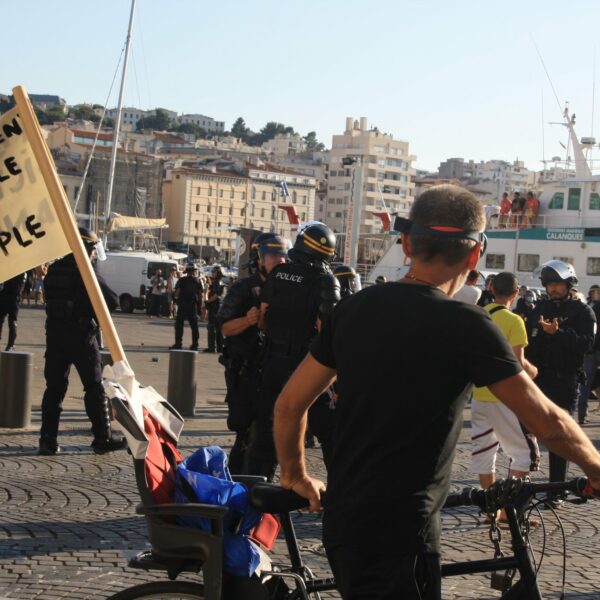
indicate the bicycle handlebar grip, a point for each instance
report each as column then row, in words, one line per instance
column 464, row 498
column 585, row 489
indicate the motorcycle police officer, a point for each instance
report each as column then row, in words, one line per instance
column 242, row 347
column 71, row 340
column 188, row 295
column 297, row 296
column 560, row 331
column 349, row 280
column 10, row 295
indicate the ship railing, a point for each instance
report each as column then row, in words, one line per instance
column 515, row 222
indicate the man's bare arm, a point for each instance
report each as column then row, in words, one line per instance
column 309, row 380
column 239, row 325
column 530, row 369
column 551, row 424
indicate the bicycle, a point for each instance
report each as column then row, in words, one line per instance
column 515, row 496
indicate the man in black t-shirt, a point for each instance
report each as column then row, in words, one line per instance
column 406, row 355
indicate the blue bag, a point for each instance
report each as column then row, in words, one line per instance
column 204, row 477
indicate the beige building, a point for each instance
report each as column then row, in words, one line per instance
column 386, row 177
column 206, row 203
column 284, row 144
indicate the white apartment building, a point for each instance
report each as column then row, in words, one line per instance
column 507, row 177
column 284, row 144
column 131, row 115
column 386, row 177
column 207, row 123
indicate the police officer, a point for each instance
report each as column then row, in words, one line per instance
column 242, row 347
column 560, row 332
column 10, row 294
column 213, row 303
column 188, row 295
column 349, row 280
column 297, row 296
column 71, row 340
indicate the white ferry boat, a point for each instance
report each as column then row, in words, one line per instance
column 567, row 227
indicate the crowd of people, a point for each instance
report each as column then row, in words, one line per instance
column 521, row 211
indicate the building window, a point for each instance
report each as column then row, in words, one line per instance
column 567, row 259
column 197, row 208
column 220, row 193
column 231, row 193
column 594, row 201
column 231, row 210
column 574, row 201
column 557, row 201
column 593, row 265
column 526, row 263
column 243, row 195
column 209, row 207
column 210, row 190
column 198, row 190
column 338, row 215
column 220, row 210
column 263, row 196
column 196, row 224
column 253, row 193
column 494, row 261
column 243, row 211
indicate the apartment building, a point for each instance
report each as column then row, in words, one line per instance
column 386, row 167
column 284, row 144
column 131, row 115
column 205, row 202
column 207, row 123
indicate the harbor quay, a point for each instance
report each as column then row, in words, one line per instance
column 68, row 524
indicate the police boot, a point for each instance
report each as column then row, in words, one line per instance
column 48, row 446
column 104, row 441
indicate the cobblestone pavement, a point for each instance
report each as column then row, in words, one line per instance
column 68, row 522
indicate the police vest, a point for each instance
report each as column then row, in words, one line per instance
column 546, row 351
column 66, row 298
column 293, row 308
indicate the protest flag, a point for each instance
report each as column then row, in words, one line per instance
column 61, row 236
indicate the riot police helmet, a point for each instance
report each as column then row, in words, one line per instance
column 316, row 241
column 253, row 253
column 276, row 244
column 558, row 271
column 348, row 278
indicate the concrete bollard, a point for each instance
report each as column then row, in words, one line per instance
column 16, row 375
column 183, row 381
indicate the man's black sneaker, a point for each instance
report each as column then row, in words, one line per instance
column 194, row 347
column 175, row 347
column 48, row 447
column 109, row 445
column 9, row 348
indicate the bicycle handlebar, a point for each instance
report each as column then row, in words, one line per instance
column 515, row 491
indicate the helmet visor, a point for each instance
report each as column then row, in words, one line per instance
column 100, row 252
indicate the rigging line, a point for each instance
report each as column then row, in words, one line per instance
column 543, row 134
column 89, row 160
column 547, row 74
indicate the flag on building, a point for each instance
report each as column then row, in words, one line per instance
column 283, row 189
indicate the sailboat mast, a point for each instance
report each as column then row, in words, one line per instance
column 117, row 127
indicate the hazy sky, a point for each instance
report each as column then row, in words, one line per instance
column 453, row 77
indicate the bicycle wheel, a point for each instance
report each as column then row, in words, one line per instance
column 162, row 590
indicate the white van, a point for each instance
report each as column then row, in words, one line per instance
column 129, row 274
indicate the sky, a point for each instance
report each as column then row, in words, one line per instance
column 454, row 78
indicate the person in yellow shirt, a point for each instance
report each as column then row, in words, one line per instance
column 494, row 425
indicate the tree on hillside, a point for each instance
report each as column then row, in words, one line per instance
column 239, row 129
column 159, row 121
column 6, row 104
column 83, row 111
column 47, row 117
column 268, row 132
column 312, row 144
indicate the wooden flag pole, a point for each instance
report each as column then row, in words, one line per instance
column 65, row 216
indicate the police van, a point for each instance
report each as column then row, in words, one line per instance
column 129, row 274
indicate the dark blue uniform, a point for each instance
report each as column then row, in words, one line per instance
column 71, row 340
column 559, row 357
column 213, row 302
column 10, row 295
column 188, row 297
column 298, row 293
column 242, row 361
